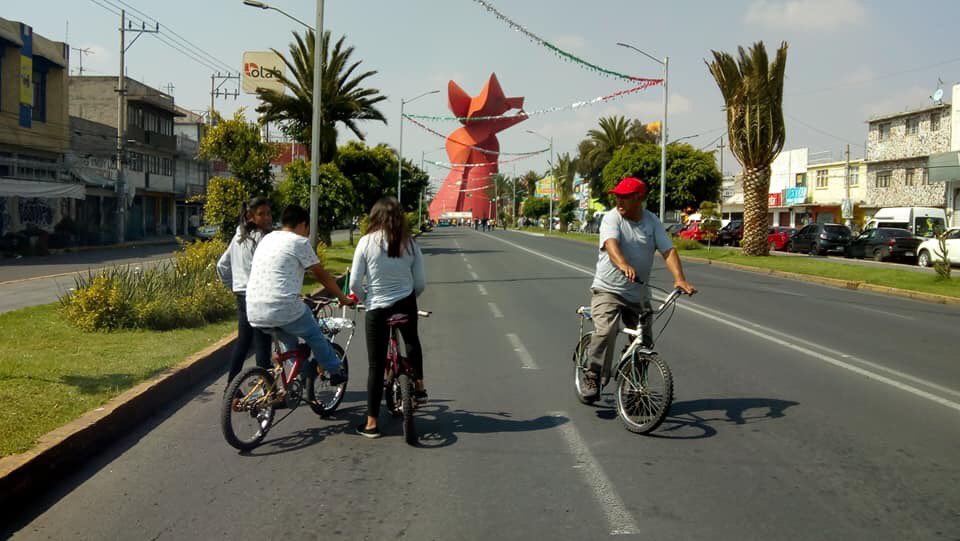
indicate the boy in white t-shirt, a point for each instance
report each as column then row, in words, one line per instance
column 276, row 280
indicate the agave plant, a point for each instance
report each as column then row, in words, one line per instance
column 752, row 89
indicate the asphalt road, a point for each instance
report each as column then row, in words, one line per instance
column 801, row 412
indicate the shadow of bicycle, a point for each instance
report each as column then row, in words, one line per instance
column 438, row 425
column 279, row 442
column 698, row 419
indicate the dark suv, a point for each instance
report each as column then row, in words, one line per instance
column 885, row 243
column 819, row 239
column 731, row 234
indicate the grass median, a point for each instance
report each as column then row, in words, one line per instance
column 882, row 276
column 52, row 373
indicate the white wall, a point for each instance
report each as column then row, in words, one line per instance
column 955, row 119
column 785, row 168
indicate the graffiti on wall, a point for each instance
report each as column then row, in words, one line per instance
column 35, row 211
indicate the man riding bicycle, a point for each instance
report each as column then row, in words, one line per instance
column 276, row 280
column 628, row 239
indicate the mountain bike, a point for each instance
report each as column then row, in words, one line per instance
column 253, row 396
column 644, row 381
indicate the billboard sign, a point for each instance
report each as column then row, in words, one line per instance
column 258, row 71
column 795, row 196
column 774, row 199
column 545, row 187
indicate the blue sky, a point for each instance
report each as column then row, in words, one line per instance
column 848, row 59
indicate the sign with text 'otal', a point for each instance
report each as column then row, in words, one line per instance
column 259, row 71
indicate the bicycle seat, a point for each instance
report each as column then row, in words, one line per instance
column 585, row 311
column 397, row 319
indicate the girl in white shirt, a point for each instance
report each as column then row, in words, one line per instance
column 389, row 261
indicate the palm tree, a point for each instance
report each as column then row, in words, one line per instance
column 344, row 100
column 752, row 89
column 594, row 152
column 564, row 172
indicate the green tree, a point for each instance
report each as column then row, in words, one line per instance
column 535, row 208
column 594, row 152
column 344, row 99
column 225, row 200
column 692, row 175
column 373, row 172
column 529, row 180
column 564, row 172
column 709, row 221
column 336, row 197
column 238, row 144
column 752, row 89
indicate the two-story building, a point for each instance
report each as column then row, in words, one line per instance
column 149, row 147
column 190, row 172
column 899, row 147
column 36, row 193
column 830, row 184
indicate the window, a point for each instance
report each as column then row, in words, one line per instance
column 912, row 125
column 153, row 164
column 854, row 177
column 925, row 176
column 883, row 179
column 822, row 178
column 136, row 161
column 908, row 179
column 40, row 96
column 801, row 180
column 935, row 121
column 883, row 131
column 166, row 167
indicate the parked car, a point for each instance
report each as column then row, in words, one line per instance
column 921, row 221
column 819, row 239
column 778, row 237
column 674, row 229
column 731, row 234
column 884, row 243
column 929, row 250
column 695, row 231
column 207, row 232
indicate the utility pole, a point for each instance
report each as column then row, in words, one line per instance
column 216, row 92
column 848, row 221
column 721, row 157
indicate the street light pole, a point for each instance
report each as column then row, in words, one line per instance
column 400, row 146
column 663, row 127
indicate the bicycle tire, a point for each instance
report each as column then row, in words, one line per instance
column 324, row 399
column 406, row 406
column 640, row 407
column 580, row 364
column 260, row 406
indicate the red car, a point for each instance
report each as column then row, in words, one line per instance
column 694, row 232
column 778, row 237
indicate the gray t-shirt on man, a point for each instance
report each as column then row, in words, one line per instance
column 638, row 241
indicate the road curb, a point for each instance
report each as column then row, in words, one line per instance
column 833, row 282
column 60, row 451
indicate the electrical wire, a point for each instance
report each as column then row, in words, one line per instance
column 818, row 130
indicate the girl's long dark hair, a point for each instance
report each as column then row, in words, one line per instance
column 247, row 225
column 387, row 216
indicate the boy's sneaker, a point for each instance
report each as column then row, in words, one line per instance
column 420, row 397
column 368, row 432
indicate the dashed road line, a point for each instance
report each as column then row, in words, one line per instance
column 483, row 290
column 526, row 360
column 497, row 314
column 474, row 275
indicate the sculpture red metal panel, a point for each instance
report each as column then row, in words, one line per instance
column 464, row 188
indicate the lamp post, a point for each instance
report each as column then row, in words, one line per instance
column 317, row 107
column 663, row 129
column 400, row 149
column 554, row 183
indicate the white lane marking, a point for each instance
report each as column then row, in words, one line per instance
column 469, row 266
column 619, row 520
column 526, row 360
column 793, row 343
column 483, row 290
column 497, row 314
column 875, row 311
column 474, row 275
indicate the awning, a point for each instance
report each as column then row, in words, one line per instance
column 944, row 167
column 28, row 188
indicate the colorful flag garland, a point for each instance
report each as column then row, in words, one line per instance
column 478, row 149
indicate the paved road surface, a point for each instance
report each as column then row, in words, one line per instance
column 801, row 412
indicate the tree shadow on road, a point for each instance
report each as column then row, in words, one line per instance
column 698, row 419
column 438, row 425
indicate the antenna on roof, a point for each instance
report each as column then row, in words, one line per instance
column 937, row 96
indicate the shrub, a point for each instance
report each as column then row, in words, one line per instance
column 186, row 293
column 364, row 224
column 412, row 226
column 322, row 253
column 686, row 244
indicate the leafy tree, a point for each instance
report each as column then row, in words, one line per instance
column 237, row 143
column 373, row 172
column 692, row 175
column 336, row 198
column 709, row 221
column 225, row 200
column 752, row 89
column 529, row 180
column 564, row 173
column 344, row 99
column 535, row 208
column 594, row 152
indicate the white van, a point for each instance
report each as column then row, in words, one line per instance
column 921, row 221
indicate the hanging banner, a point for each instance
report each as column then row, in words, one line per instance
column 795, row 196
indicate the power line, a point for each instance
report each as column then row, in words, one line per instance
column 818, row 130
column 186, row 53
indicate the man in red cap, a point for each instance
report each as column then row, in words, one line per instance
column 629, row 237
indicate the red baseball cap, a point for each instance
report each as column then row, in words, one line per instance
column 630, row 185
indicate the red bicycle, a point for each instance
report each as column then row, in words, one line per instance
column 253, row 395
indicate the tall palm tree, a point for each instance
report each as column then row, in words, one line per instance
column 752, row 89
column 564, row 172
column 344, row 100
column 594, row 152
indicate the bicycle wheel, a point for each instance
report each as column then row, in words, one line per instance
column 323, row 397
column 406, row 406
column 581, row 363
column 247, row 410
column 644, row 393
column 391, row 395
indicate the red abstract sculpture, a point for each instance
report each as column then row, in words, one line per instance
column 464, row 189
